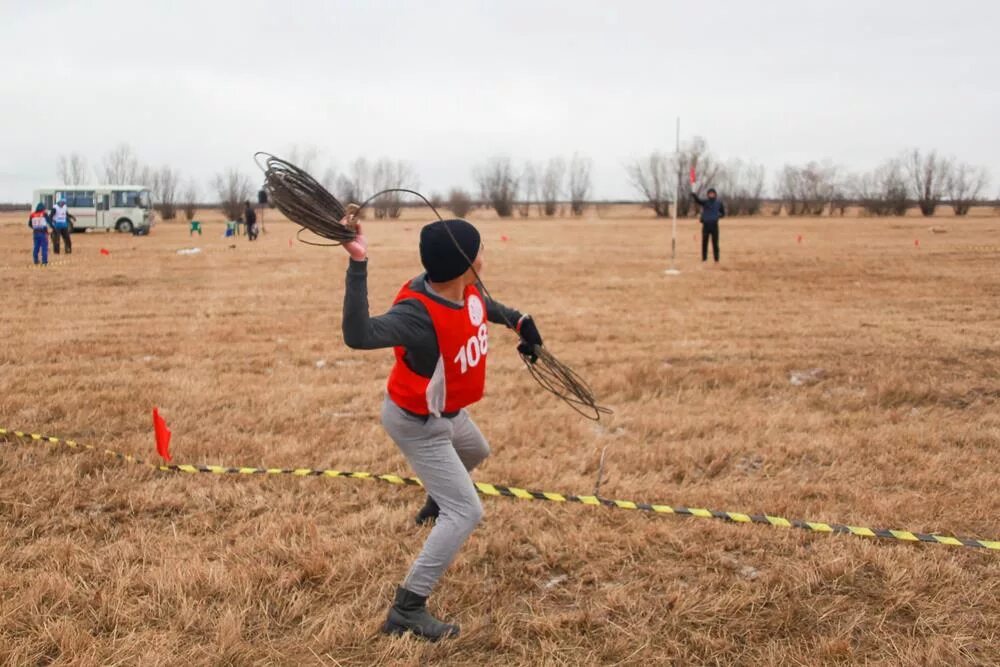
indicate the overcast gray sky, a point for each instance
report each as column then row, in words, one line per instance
column 443, row 85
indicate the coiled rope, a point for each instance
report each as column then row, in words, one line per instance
column 307, row 203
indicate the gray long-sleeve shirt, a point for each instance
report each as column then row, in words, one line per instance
column 406, row 324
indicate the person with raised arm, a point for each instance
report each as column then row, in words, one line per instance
column 437, row 327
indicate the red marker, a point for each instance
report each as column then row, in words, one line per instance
column 289, row 243
column 692, row 175
column 162, row 434
column 105, row 251
column 916, row 242
column 504, row 237
column 800, row 238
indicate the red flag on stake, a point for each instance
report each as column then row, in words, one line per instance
column 105, row 251
column 800, row 238
column 692, row 175
column 916, row 242
column 162, row 435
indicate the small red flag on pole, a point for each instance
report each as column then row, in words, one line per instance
column 162, row 435
column 692, row 175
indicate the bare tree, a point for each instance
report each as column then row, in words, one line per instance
column 361, row 175
column 928, row 176
column 743, row 186
column 189, row 200
column 551, row 186
column 883, row 191
column 121, row 167
column 807, row 189
column 387, row 175
column 346, row 191
column 529, row 189
column 460, row 202
column 73, row 169
column 965, row 185
column 579, row 183
column 654, row 177
column 164, row 184
column 498, row 185
column 329, row 179
column 353, row 187
column 789, row 190
column 436, row 200
column 303, row 157
column 694, row 155
column 841, row 197
column 234, row 190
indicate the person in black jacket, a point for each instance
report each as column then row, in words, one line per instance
column 250, row 220
column 712, row 210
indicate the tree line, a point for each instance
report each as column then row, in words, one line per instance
column 913, row 178
column 560, row 186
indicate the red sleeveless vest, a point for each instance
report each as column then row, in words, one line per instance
column 462, row 341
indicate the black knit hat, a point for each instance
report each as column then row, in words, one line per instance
column 438, row 253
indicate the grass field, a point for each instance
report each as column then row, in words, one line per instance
column 102, row 562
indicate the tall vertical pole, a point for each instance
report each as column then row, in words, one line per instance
column 677, row 194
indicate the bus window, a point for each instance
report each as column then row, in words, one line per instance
column 80, row 199
column 125, row 199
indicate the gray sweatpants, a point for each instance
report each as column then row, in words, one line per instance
column 442, row 452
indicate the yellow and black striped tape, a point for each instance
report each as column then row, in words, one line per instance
column 57, row 262
column 525, row 494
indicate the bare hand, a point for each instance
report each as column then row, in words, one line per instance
column 358, row 248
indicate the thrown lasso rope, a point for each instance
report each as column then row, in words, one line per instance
column 306, row 202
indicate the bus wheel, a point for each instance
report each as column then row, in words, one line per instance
column 125, row 226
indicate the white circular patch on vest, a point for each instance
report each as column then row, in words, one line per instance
column 475, row 310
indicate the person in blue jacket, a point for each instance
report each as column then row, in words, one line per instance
column 712, row 210
column 39, row 223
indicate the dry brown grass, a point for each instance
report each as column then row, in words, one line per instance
column 105, row 563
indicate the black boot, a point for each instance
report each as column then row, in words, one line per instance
column 429, row 511
column 409, row 614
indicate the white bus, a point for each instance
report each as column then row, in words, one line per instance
column 125, row 208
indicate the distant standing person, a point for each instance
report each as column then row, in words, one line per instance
column 61, row 219
column 250, row 218
column 39, row 223
column 712, row 210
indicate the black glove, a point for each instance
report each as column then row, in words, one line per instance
column 530, row 337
